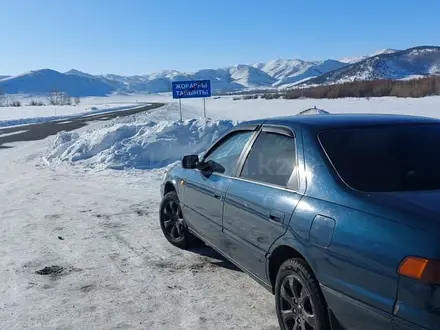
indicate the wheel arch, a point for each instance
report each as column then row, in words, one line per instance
column 282, row 250
column 279, row 255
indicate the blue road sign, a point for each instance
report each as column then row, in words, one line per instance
column 191, row 89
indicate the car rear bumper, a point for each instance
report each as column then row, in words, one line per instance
column 350, row 313
column 417, row 306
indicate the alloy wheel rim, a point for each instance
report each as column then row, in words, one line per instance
column 173, row 220
column 296, row 305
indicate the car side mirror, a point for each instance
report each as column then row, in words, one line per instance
column 210, row 166
column 190, row 161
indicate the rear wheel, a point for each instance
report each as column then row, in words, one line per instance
column 172, row 222
column 299, row 301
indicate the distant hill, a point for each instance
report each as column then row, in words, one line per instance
column 46, row 80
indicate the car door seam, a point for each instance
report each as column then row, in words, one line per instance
column 287, row 225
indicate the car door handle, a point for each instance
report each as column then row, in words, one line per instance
column 276, row 216
column 219, row 197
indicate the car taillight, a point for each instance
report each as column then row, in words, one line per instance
column 422, row 269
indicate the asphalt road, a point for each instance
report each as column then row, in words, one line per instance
column 34, row 132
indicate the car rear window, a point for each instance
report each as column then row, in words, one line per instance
column 386, row 158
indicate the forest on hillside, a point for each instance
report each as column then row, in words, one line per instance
column 374, row 88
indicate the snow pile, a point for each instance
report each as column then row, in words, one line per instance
column 142, row 145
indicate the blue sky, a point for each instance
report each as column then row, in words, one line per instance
column 142, row 36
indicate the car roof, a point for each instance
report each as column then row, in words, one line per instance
column 327, row 121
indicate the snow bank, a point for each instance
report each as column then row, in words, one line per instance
column 142, row 145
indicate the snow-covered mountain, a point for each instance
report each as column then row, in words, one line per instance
column 46, row 80
column 249, row 76
column 273, row 74
column 290, row 72
column 405, row 64
column 352, row 60
column 280, row 68
column 3, row 77
column 281, row 73
column 80, row 73
column 236, row 77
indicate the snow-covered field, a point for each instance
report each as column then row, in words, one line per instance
column 86, row 202
column 113, row 268
column 225, row 108
column 26, row 114
column 221, row 108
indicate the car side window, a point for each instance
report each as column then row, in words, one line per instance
column 226, row 154
column 272, row 159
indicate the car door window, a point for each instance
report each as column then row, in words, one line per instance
column 226, row 154
column 271, row 160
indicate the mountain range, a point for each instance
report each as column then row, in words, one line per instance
column 405, row 64
column 276, row 74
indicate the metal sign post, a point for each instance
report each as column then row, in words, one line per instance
column 191, row 89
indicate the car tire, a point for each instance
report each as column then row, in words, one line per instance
column 172, row 223
column 298, row 298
